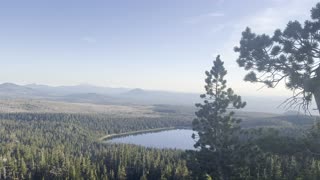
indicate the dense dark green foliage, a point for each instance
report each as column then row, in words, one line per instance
column 291, row 55
column 64, row 146
column 227, row 152
column 220, row 149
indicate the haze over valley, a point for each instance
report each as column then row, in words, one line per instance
column 119, row 96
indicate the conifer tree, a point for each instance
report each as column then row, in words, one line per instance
column 217, row 129
column 290, row 56
column 23, row 168
column 121, row 173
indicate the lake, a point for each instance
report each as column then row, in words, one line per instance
column 173, row 139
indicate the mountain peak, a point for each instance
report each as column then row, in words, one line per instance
column 136, row 91
column 7, row 84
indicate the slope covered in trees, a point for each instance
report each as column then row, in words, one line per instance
column 65, row 146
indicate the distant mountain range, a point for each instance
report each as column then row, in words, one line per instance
column 97, row 95
column 108, row 95
column 78, row 89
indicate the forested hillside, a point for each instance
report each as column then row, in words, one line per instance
column 36, row 146
column 60, row 146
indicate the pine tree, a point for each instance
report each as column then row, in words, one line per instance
column 217, row 129
column 23, row 167
column 121, row 173
column 290, row 56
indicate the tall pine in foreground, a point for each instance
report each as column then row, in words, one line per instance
column 217, row 129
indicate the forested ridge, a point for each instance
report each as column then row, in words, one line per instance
column 65, row 146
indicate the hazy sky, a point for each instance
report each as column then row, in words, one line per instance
column 152, row 44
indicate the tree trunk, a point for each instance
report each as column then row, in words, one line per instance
column 316, row 94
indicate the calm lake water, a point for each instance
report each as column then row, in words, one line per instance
column 174, row 139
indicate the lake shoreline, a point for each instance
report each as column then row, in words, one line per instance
column 160, row 138
column 111, row 136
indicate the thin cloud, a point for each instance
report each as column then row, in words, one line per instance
column 219, row 27
column 203, row 17
column 215, row 14
column 278, row 15
column 270, row 19
column 265, row 21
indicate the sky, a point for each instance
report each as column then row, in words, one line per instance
column 150, row 44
